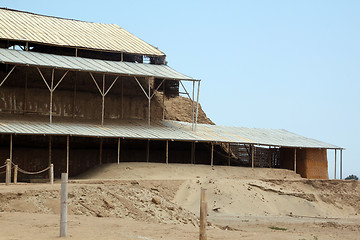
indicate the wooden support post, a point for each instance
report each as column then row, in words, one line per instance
column 122, row 57
column 148, row 150
column 63, row 209
column 11, row 147
column 25, row 90
column 212, row 154
column 270, row 156
column 197, row 104
column 51, row 177
column 74, row 99
column 67, row 154
column 50, row 150
column 295, row 160
column 167, row 152
column 252, row 155
column 103, row 101
column 15, row 174
column 229, row 154
column 122, row 98
column 51, row 95
column 193, row 153
column 203, row 215
column 335, row 166
column 193, row 108
column 341, row 151
column 8, row 172
column 163, row 110
column 118, row 153
column 149, row 99
column 101, row 150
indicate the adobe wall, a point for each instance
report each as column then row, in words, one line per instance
column 310, row 162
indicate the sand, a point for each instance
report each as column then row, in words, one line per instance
column 159, row 201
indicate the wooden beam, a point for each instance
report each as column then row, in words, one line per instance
column 118, row 153
column 167, row 152
column 101, row 151
column 295, row 160
column 148, row 151
column 203, row 215
column 229, row 153
column 252, row 155
column 341, row 163
column 212, row 154
column 335, row 166
column 197, row 105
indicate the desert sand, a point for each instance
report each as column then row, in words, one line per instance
column 159, row 201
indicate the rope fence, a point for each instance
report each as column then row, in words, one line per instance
column 10, row 165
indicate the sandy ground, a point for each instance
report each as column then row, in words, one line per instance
column 159, row 201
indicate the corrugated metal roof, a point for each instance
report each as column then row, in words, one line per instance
column 89, row 65
column 167, row 130
column 24, row 26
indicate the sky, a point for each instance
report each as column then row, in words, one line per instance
column 293, row 65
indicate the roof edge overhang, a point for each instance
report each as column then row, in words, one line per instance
column 45, row 60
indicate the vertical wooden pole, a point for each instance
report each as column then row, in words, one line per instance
column 252, row 155
column 51, row 95
column 118, row 155
column 74, row 100
column 101, row 150
column 148, row 151
column 149, row 99
column 50, row 149
column 67, row 154
column 270, row 156
column 192, row 100
column 335, row 166
column 197, row 104
column 8, row 172
column 203, row 215
column 229, row 154
column 63, row 210
column 122, row 98
column 11, row 147
column 103, row 101
column 167, row 152
column 295, row 160
column 341, row 151
column 122, row 57
column 212, row 154
column 15, row 174
column 51, row 174
column 193, row 153
column 25, row 91
column 163, row 112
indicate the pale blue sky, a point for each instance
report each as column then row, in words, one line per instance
column 268, row 64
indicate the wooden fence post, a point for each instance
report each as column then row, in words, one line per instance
column 15, row 174
column 63, row 210
column 203, row 215
column 8, row 172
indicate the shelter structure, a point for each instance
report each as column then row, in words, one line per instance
column 77, row 94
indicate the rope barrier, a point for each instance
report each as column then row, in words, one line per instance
column 3, row 172
column 33, row 173
column 3, row 166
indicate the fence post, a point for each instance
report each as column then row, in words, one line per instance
column 203, row 215
column 15, row 174
column 63, row 210
column 51, row 174
column 8, row 172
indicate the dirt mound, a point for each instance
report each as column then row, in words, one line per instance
column 145, row 201
column 160, row 171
